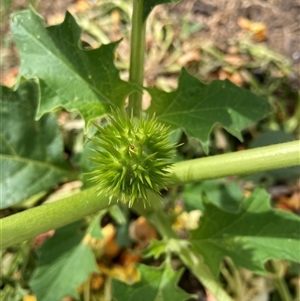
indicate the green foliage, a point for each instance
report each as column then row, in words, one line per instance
column 65, row 262
column 130, row 162
column 155, row 284
column 31, row 151
column 69, row 76
column 250, row 237
column 226, row 196
column 196, row 107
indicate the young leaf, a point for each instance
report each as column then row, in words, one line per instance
column 31, row 152
column 70, row 77
column 149, row 5
column 156, row 284
column 196, row 107
column 65, row 262
column 250, row 237
column 156, row 248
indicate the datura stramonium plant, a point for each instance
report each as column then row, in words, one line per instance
column 133, row 157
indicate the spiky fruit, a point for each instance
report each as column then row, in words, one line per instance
column 132, row 155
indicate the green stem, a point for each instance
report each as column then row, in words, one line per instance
column 160, row 220
column 296, row 284
column 191, row 260
column 233, row 278
column 195, row 264
column 278, row 280
column 136, row 71
column 30, row 223
column 238, row 163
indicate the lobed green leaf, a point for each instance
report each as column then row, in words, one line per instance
column 66, row 260
column 69, row 77
column 155, row 284
column 250, row 237
column 225, row 195
column 197, row 108
column 31, row 152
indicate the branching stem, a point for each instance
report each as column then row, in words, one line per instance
column 194, row 262
column 30, row 223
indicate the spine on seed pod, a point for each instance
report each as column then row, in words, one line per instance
column 132, row 156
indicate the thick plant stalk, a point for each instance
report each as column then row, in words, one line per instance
column 30, row 223
column 238, row 163
column 27, row 224
column 137, row 53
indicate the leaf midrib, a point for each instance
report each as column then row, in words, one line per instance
column 34, row 162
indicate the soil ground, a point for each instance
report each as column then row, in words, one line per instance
column 281, row 17
column 220, row 19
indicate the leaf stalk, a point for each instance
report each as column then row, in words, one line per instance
column 278, row 279
column 194, row 262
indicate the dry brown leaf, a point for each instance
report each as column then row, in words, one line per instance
column 128, row 273
column 296, row 283
column 258, row 29
column 107, row 244
column 235, row 77
column 127, row 257
column 40, row 239
column 290, row 203
column 141, row 232
column 187, row 220
column 9, row 78
column 79, row 7
column 96, row 281
column 55, row 19
column 116, row 17
column 111, row 249
column 234, row 60
column 223, row 74
column 191, row 56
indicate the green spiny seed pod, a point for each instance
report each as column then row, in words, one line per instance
column 132, row 155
